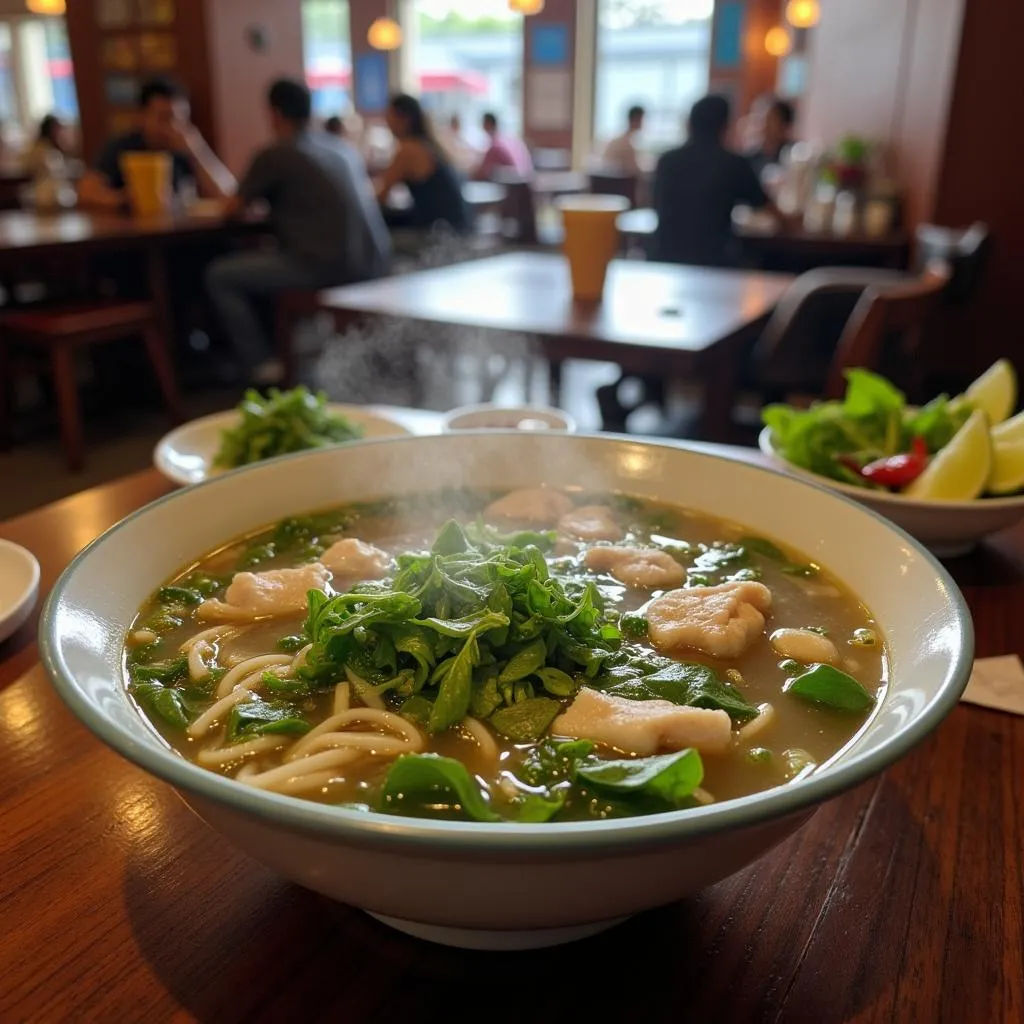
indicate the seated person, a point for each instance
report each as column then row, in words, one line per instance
column 421, row 164
column 503, row 151
column 328, row 226
column 465, row 156
column 164, row 127
column 620, row 154
column 48, row 156
column 696, row 188
column 776, row 131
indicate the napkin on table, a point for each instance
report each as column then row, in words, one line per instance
column 997, row 683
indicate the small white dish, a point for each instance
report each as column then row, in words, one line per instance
column 948, row 528
column 488, row 416
column 185, row 455
column 19, row 587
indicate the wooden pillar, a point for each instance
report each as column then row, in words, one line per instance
column 549, row 60
column 741, row 67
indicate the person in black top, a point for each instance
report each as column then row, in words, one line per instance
column 776, row 135
column 696, row 188
column 421, row 164
column 164, row 127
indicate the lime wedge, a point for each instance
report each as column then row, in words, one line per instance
column 961, row 470
column 1007, row 474
column 1009, row 431
column 995, row 391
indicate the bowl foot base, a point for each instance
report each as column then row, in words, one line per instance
column 479, row 938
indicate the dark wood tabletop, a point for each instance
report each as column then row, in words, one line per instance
column 900, row 901
column 654, row 318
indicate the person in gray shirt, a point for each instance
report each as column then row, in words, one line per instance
column 324, row 214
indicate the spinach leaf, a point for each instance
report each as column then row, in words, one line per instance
column 633, row 625
column 427, row 782
column 763, row 546
column 537, row 807
column 456, row 689
column 179, row 597
column 162, row 702
column 524, row 662
column 526, row 721
column 264, row 717
column 292, row 644
column 553, row 761
column 557, row 682
column 167, row 672
column 450, row 540
column 416, row 709
column 823, row 684
column 671, row 778
column 485, row 699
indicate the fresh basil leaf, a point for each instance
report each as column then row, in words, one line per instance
column 527, row 721
column 456, row 687
column 826, row 685
column 485, row 699
column 668, row 777
column 259, row 717
column 428, row 783
column 162, row 702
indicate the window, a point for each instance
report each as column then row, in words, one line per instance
column 466, row 57
column 328, row 55
column 656, row 53
column 36, row 76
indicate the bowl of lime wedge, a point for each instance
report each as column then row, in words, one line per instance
column 949, row 472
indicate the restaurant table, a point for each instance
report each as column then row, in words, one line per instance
column 795, row 249
column 83, row 234
column 654, row 318
column 900, row 900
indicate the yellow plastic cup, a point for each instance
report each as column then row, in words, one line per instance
column 148, row 180
column 591, row 240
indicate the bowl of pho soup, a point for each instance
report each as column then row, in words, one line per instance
column 503, row 690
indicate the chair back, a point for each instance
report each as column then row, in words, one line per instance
column 519, row 207
column 610, row 183
column 888, row 323
column 965, row 250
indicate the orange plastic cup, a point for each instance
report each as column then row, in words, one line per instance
column 148, row 180
column 591, row 240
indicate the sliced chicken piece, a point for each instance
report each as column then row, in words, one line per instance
column 590, row 522
column 258, row 595
column 540, row 506
column 804, row 645
column 356, row 559
column 721, row 621
column 642, row 726
column 642, row 568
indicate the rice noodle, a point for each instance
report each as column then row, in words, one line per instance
column 765, row 717
column 481, row 735
column 300, row 658
column 342, row 698
column 213, row 757
column 304, row 783
column 250, row 665
column 141, row 637
column 221, row 632
column 202, row 725
column 283, row 773
column 197, row 666
column 383, row 719
column 373, row 742
column 364, row 691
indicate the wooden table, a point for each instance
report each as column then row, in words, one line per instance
column 794, row 250
column 81, row 234
column 900, row 901
column 655, row 318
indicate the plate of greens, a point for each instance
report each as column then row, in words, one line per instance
column 262, row 427
column 949, row 472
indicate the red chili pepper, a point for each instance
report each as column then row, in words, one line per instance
column 897, row 471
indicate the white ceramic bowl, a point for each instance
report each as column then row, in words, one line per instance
column 488, row 416
column 948, row 528
column 185, row 455
column 19, row 587
column 507, row 885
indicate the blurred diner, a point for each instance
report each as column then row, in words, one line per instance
column 504, row 151
column 620, row 155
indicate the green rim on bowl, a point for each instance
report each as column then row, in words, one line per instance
column 362, row 828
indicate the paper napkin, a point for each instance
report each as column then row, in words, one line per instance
column 997, row 683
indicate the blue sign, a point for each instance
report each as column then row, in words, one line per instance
column 728, row 35
column 371, row 85
column 549, row 45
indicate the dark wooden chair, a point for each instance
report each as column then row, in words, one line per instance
column 60, row 332
column 519, row 209
column 290, row 308
column 610, row 183
column 966, row 251
column 887, row 328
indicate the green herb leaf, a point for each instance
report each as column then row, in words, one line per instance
column 537, row 807
column 633, row 625
column 417, row 709
column 167, row 672
column 429, row 782
column 161, row 702
column 525, row 662
column 527, row 721
column 557, row 682
column 823, row 684
column 668, row 777
column 179, row 597
column 259, row 717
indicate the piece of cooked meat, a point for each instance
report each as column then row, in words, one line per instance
column 590, row 522
column 642, row 726
column 540, row 506
column 257, row 595
column 721, row 621
column 642, row 568
column 357, row 559
column 804, row 645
